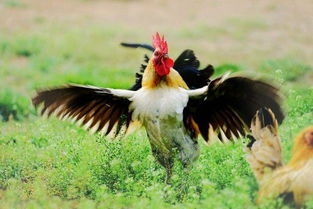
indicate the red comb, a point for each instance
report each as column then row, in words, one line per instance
column 160, row 43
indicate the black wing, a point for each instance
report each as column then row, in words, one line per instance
column 229, row 106
column 96, row 108
column 187, row 65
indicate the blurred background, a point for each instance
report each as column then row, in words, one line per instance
column 50, row 43
column 80, row 36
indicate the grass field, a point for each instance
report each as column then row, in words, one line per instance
column 46, row 163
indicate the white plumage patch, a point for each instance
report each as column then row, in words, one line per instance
column 158, row 102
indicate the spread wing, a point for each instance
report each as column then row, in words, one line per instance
column 98, row 109
column 228, row 105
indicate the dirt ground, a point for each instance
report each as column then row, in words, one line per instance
column 242, row 30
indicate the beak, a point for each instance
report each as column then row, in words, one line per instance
column 165, row 56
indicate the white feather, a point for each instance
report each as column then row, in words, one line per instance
column 158, row 102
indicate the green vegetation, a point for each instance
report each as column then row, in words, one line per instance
column 54, row 164
column 13, row 106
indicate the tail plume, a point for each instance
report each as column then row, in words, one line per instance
column 264, row 152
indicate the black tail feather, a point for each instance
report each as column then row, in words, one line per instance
column 144, row 46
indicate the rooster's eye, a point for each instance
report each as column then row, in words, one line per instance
column 156, row 53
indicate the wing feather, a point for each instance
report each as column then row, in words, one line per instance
column 229, row 105
column 95, row 108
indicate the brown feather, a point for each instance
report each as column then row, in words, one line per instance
column 85, row 104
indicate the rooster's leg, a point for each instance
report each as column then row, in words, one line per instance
column 165, row 160
column 168, row 174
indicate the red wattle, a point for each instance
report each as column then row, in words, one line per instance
column 164, row 67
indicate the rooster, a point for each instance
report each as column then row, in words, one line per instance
column 172, row 114
column 293, row 181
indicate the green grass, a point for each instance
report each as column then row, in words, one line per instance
column 286, row 69
column 13, row 106
column 46, row 163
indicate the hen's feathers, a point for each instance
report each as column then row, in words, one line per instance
column 291, row 182
column 289, row 179
column 96, row 108
column 264, row 154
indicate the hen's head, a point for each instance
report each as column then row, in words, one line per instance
column 308, row 136
column 304, row 140
column 161, row 62
column 303, row 147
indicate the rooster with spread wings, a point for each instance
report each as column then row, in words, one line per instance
column 174, row 101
